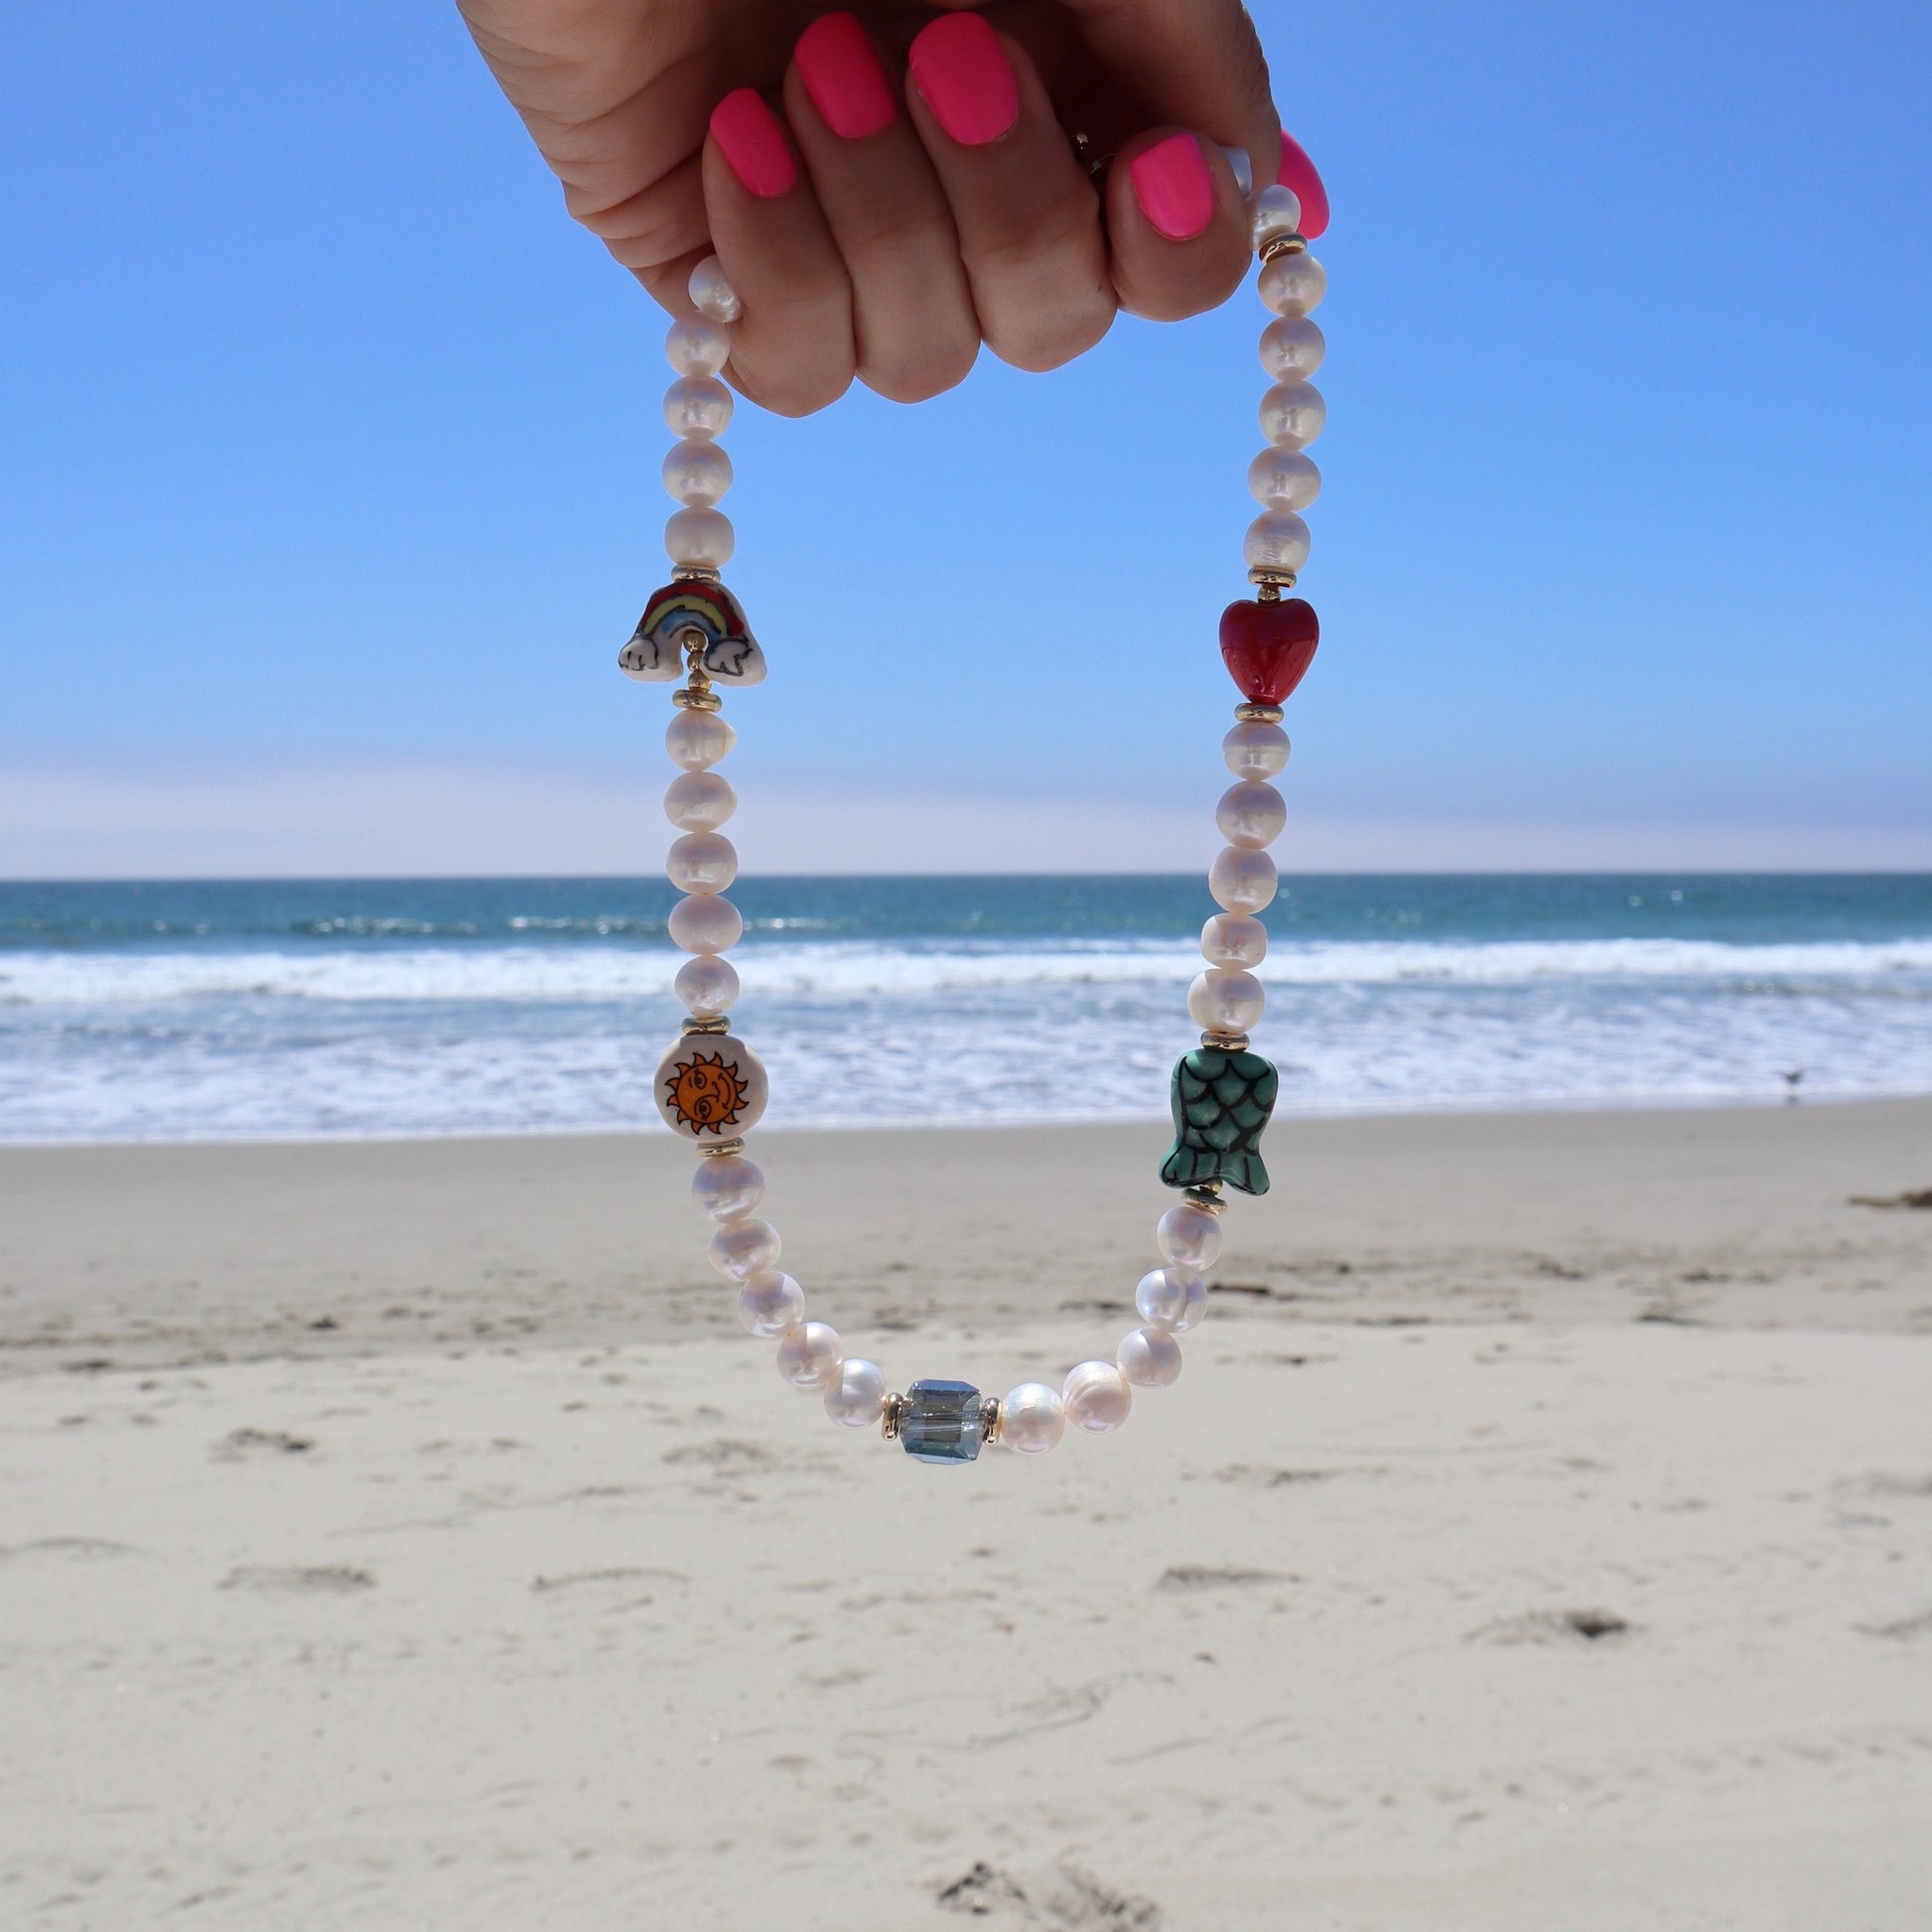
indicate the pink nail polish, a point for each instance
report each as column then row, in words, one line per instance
column 753, row 144
column 963, row 74
column 1299, row 172
column 1174, row 188
column 841, row 73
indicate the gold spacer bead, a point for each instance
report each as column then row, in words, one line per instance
column 1259, row 714
column 693, row 699
column 890, row 1415
column 696, row 574
column 1272, row 582
column 696, row 1026
column 724, row 1146
column 1208, row 1197
column 1283, row 245
column 1234, row 1042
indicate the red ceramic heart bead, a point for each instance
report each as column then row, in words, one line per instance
column 1268, row 647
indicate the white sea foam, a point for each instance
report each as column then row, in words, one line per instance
column 831, row 969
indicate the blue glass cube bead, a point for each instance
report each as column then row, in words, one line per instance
column 944, row 1422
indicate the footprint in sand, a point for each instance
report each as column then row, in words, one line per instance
column 301, row 1579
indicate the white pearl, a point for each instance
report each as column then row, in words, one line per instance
column 1293, row 415
column 769, row 1304
column 697, row 345
column 698, row 405
column 1291, row 348
column 1189, row 1237
column 1284, row 480
column 705, row 924
column 696, row 472
column 705, row 986
column 698, row 739
column 1255, row 751
column 701, row 862
column 1171, row 1297
column 1224, row 1000
column 1241, row 879
column 744, row 1247
column 728, row 1187
column 699, row 539
column 699, row 801
column 1250, row 813
column 1233, row 939
column 809, row 1354
column 1149, row 1358
column 1033, row 1418
column 1096, row 1397
column 856, row 1395
column 1274, row 212
column 1291, row 285
column 711, row 294
column 1277, row 540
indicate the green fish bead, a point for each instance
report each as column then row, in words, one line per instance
column 1222, row 1098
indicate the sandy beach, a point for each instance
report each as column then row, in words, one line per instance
column 404, row 1534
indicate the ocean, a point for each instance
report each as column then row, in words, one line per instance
column 288, row 1009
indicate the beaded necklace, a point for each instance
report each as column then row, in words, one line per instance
column 712, row 1089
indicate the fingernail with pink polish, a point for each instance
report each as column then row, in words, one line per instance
column 963, row 74
column 753, row 144
column 842, row 74
column 1174, row 188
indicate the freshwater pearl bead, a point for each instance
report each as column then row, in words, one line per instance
column 1096, row 1397
column 1293, row 415
column 1291, row 285
column 1277, row 540
column 1033, row 1418
column 1224, row 1000
column 1291, row 348
column 744, row 1247
column 699, row 539
column 1233, row 939
column 1255, row 751
column 1250, row 813
column 768, row 1305
column 705, row 924
column 705, row 986
column 1149, row 1358
column 1241, row 879
column 697, row 345
column 1189, row 1237
column 856, row 1395
column 701, row 862
column 809, row 1354
column 728, row 1187
column 697, row 740
column 711, row 294
column 696, row 472
column 1171, row 1297
column 699, row 801
column 1274, row 212
column 698, row 405
column 1284, row 480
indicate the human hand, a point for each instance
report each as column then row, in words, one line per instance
column 920, row 193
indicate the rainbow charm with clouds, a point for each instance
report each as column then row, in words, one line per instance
column 678, row 617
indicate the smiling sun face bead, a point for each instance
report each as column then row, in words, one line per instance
column 711, row 1087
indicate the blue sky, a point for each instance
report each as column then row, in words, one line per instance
column 332, row 455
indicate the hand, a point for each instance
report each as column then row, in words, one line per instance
column 919, row 194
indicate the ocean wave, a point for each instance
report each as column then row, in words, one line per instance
column 834, row 970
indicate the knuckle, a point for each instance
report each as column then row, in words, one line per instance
column 1037, row 344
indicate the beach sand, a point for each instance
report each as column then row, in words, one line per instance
column 404, row 1535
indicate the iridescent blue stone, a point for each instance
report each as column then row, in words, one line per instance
column 944, row 1422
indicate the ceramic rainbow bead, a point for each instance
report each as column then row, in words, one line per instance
column 681, row 614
